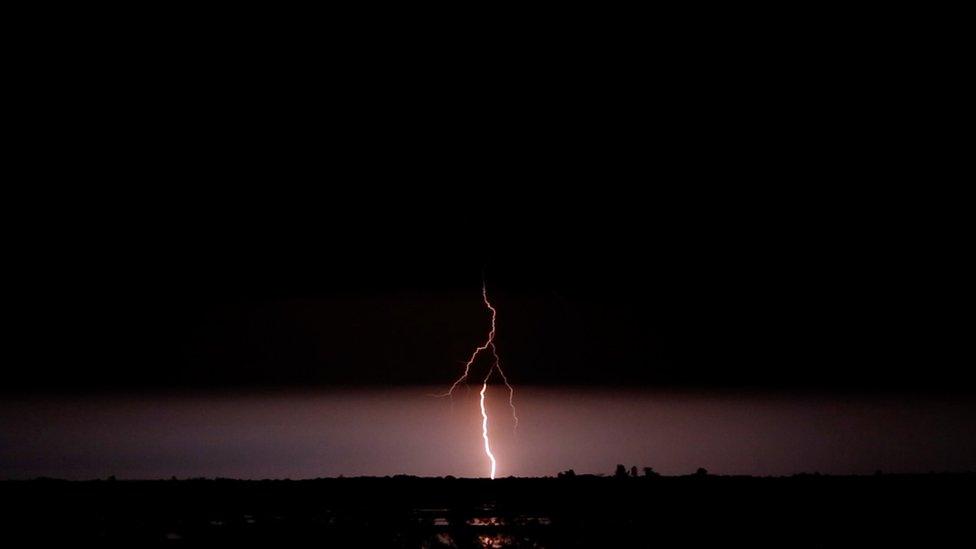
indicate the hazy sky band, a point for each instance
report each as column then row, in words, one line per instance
column 394, row 431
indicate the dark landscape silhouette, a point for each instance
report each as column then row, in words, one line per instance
column 630, row 508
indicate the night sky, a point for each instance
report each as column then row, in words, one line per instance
column 251, row 264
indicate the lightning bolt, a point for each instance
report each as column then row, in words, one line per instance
column 496, row 366
column 484, row 427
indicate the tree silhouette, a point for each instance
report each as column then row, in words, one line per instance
column 650, row 472
column 621, row 471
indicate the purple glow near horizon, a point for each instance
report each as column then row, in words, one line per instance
column 404, row 431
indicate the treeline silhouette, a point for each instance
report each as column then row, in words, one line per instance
column 622, row 472
column 628, row 507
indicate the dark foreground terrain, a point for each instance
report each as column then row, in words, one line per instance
column 693, row 511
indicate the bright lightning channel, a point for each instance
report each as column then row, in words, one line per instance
column 496, row 366
column 484, row 428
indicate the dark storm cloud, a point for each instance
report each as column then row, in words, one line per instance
column 621, row 292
